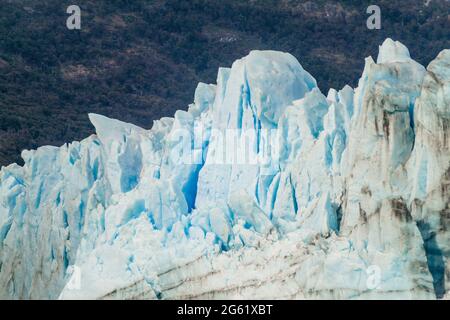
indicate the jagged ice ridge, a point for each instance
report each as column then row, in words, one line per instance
column 353, row 200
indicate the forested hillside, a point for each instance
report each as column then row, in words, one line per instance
column 139, row 60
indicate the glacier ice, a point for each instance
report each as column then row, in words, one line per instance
column 346, row 195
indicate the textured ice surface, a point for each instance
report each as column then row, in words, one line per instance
column 348, row 196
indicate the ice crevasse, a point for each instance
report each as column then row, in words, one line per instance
column 352, row 200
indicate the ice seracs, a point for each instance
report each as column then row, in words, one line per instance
column 429, row 169
column 346, row 195
column 393, row 51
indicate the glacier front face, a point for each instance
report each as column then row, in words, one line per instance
column 264, row 188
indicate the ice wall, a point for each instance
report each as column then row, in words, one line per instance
column 264, row 188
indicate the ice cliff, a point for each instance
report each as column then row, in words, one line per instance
column 264, row 188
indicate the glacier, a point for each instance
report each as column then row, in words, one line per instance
column 264, row 188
